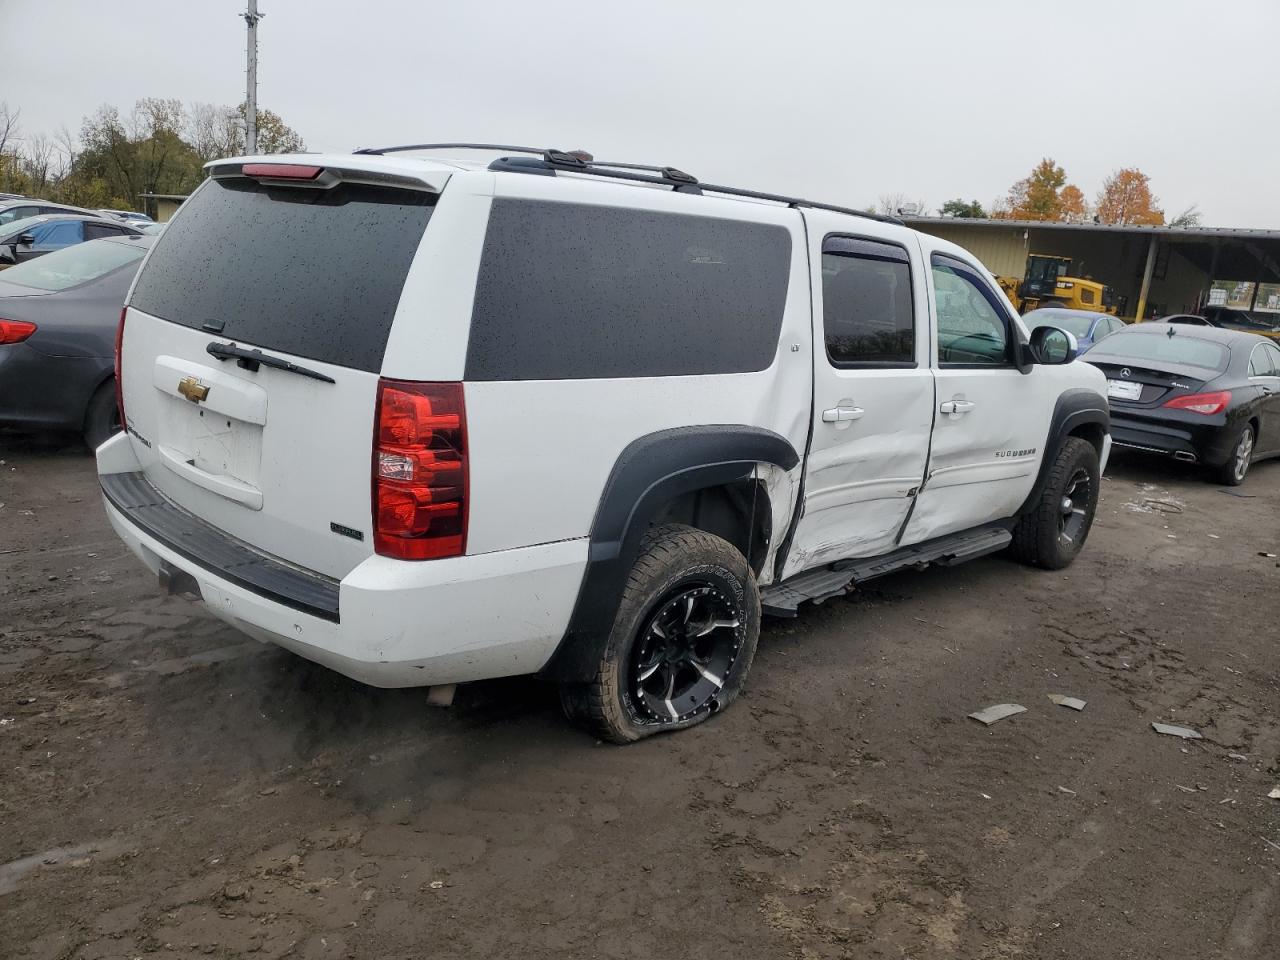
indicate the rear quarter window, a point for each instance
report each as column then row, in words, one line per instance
column 312, row 273
column 577, row 291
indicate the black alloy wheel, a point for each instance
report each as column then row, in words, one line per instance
column 683, row 654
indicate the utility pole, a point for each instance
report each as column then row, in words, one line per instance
column 251, row 18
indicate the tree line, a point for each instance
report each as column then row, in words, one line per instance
column 159, row 146
column 1045, row 194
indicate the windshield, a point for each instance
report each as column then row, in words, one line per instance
column 74, row 265
column 1180, row 348
column 1073, row 323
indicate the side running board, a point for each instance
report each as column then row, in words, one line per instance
column 783, row 599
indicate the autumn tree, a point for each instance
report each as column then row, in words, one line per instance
column 1043, row 195
column 1073, row 207
column 1126, row 199
column 963, row 208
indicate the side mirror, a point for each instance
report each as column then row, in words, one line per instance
column 1053, row 345
column 8, row 253
column 27, row 239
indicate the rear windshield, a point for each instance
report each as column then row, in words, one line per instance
column 575, row 291
column 312, row 273
column 72, row 266
column 1179, row 348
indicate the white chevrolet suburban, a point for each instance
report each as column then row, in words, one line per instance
column 428, row 421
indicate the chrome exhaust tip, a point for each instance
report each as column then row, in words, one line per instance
column 1184, row 456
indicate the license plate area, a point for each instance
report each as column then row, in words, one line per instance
column 1124, row 390
column 211, row 442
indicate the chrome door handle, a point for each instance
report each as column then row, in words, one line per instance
column 955, row 407
column 842, row 414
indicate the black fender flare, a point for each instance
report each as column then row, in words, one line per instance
column 1073, row 409
column 650, row 471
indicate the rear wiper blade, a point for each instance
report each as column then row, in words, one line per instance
column 252, row 359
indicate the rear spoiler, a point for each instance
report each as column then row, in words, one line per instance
column 320, row 176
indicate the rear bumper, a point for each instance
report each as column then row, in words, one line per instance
column 1184, row 440
column 397, row 623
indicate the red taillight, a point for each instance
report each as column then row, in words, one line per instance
column 420, row 470
column 1206, row 403
column 282, row 171
column 119, row 381
column 15, row 331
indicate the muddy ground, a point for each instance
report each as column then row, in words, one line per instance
column 174, row 789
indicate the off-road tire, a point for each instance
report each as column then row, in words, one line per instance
column 1038, row 538
column 1230, row 473
column 102, row 416
column 672, row 557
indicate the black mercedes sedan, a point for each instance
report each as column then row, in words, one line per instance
column 1199, row 394
column 58, row 321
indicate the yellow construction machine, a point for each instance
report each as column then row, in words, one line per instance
column 1048, row 283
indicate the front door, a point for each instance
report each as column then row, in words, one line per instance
column 872, row 389
column 992, row 419
column 1264, row 372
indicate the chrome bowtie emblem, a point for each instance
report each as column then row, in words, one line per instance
column 192, row 389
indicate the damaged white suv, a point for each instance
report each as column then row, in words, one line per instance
column 428, row 421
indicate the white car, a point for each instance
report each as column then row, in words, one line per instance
column 433, row 421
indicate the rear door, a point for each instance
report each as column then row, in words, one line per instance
column 872, row 388
column 306, row 272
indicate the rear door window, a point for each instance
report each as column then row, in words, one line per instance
column 867, row 315
column 312, row 273
column 578, row 291
column 96, row 231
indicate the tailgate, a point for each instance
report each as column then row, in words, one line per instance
column 251, row 351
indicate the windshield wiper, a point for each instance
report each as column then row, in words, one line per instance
column 252, row 359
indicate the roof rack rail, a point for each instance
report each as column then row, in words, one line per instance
column 569, row 158
column 638, row 173
column 550, row 160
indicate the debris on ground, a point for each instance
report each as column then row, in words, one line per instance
column 1186, row 733
column 1075, row 703
column 998, row 712
column 1274, row 794
column 1271, row 843
column 1238, row 756
column 1269, row 556
column 1071, row 793
column 26, row 701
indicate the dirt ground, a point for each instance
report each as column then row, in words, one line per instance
column 171, row 789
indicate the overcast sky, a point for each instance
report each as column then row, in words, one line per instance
column 837, row 101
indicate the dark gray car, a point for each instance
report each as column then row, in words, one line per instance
column 58, row 320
